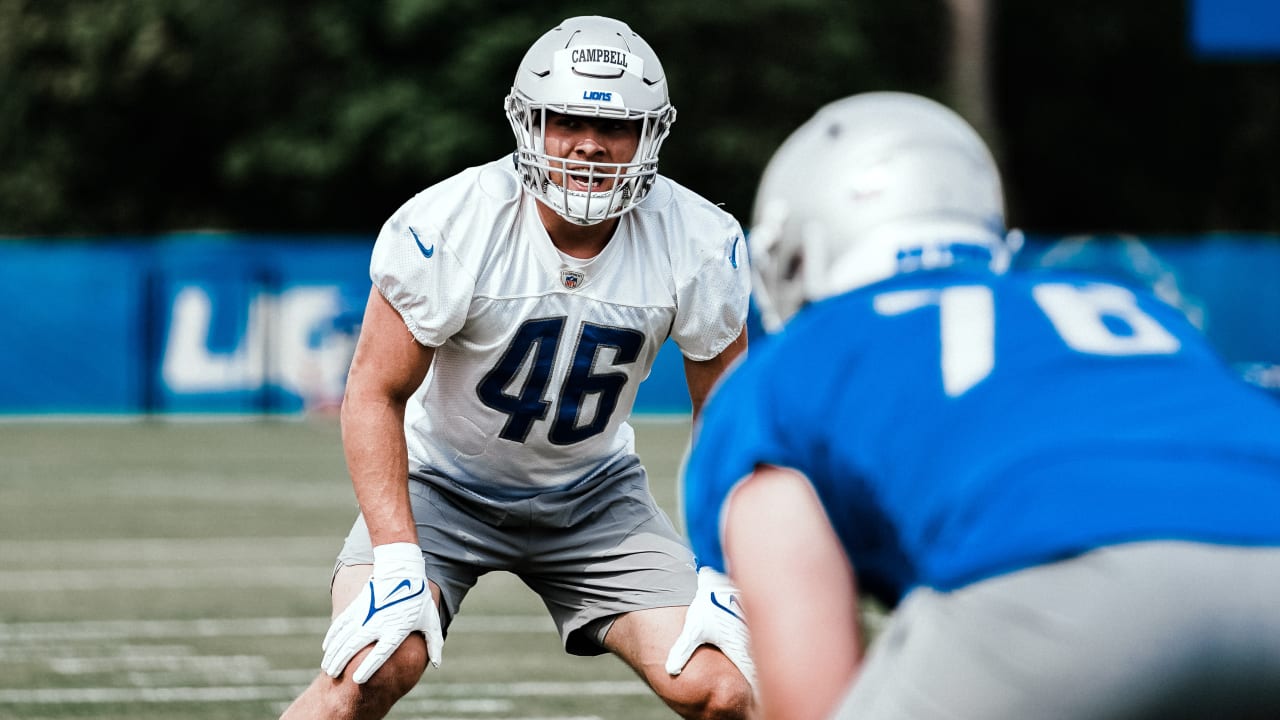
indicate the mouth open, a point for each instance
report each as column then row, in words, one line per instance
column 585, row 179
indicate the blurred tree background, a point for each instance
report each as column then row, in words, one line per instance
column 143, row 116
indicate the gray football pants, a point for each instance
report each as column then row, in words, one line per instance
column 1158, row 630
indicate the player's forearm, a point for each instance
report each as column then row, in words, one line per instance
column 800, row 681
column 798, row 591
column 701, row 376
column 805, row 647
column 377, row 458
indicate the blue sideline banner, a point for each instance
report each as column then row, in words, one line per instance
column 198, row 323
column 250, row 324
column 180, row 324
column 254, row 325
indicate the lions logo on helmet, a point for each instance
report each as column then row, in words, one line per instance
column 594, row 67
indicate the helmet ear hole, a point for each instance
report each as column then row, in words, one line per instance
column 795, row 265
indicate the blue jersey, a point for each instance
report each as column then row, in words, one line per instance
column 957, row 425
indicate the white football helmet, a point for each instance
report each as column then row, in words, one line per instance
column 597, row 67
column 873, row 185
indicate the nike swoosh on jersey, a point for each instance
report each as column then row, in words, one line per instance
column 733, row 600
column 427, row 252
column 733, row 253
column 374, row 608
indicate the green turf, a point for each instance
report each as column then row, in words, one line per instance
column 179, row 570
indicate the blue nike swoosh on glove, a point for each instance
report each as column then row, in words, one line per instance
column 374, row 608
column 733, row 600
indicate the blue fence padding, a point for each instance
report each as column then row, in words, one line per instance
column 1238, row 284
column 71, row 329
column 242, row 323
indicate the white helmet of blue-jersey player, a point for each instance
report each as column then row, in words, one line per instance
column 595, row 67
column 873, row 185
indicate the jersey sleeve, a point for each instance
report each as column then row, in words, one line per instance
column 418, row 272
column 712, row 298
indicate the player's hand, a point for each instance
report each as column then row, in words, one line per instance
column 395, row 602
column 715, row 618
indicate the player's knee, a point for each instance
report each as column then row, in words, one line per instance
column 397, row 676
column 728, row 696
column 402, row 671
column 711, row 695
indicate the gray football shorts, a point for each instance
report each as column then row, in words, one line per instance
column 1140, row 631
column 592, row 552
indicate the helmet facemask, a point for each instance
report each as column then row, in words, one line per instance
column 543, row 173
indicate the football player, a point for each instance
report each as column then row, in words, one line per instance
column 515, row 309
column 1072, row 503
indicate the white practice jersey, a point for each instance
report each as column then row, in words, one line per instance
column 538, row 356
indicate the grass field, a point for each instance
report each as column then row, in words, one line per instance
column 179, row 570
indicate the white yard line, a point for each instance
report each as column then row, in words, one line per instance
column 452, row 697
column 162, row 578
column 207, row 665
column 96, row 630
column 181, row 549
column 595, row 688
column 101, row 695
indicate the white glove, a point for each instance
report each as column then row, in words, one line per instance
column 395, row 602
column 714, row 618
